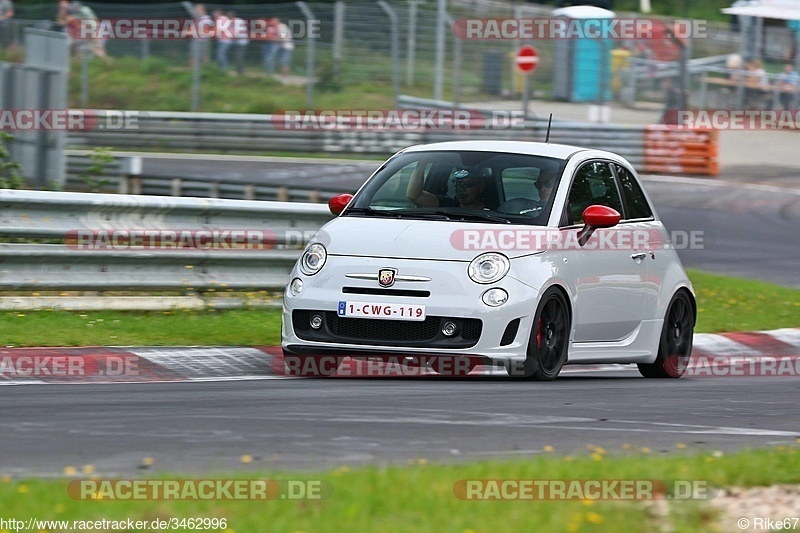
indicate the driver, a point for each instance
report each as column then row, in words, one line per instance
column 469, row 190
column 545, row 187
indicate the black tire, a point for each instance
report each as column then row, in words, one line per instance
column 675, row 346
column 547, row 347
column 311, row 366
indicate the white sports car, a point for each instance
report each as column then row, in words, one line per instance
column 520, row 254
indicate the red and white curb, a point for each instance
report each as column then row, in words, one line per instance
column 777, row 353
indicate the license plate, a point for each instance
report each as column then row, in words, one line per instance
column 379, row 310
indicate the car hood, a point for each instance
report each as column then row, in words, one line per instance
column 427, row 239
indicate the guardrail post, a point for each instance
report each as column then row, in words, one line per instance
column 250, row 192
column 130, row 180
column 177, row 186
column 282, row 194
column 213, row 189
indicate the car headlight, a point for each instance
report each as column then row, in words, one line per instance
column 488, row 268
column 313, row 259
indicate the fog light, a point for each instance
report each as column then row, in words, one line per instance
column 449, row 329
column 495, row 297
column 296, row 286
column 316, row 321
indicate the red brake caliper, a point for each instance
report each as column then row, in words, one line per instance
column 539, row 334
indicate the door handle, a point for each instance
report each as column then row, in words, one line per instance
column 638, row 256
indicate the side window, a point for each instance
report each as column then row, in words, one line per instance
column 593, row 185
column 634, row 197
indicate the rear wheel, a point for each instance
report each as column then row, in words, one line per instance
column 675, row 346
column 547, row 347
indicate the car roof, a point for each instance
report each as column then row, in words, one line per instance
column 558, row 151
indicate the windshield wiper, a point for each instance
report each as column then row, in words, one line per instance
column 470, row 216
column 369, row 211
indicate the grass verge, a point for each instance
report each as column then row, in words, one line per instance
column 422, row 497
column 724, row 304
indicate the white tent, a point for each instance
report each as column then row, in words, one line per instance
column 767, row 9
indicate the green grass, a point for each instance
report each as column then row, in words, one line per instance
column 724, row 304
column 157, row 85
column 738, row 304
column 240, row 327
column 421, row 496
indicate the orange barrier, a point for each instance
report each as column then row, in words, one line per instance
column 668, row 149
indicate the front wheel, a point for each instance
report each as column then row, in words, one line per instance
column 675, row 346
column 547, row 347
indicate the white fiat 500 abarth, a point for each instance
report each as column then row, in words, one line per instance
column 517, row 254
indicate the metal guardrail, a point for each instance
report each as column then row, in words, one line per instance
column 124, row 175
column 74, row 265
column 219, row 132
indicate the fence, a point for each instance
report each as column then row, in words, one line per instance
column 87, row 264
column 388, row 43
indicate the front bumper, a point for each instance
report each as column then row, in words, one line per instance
column 498, row 333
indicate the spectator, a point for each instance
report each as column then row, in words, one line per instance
column 74, row 14
column 6, row 12
column 271, row 45
column 200, row 45
column 788, row 83
column 224, row 38
column 241, row 41
column 286, row 47
column 672, row 101
column 733, row 62
column 756, row 85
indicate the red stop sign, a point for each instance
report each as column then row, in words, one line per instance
column 527, row 59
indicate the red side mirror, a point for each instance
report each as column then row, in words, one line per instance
column 338, row 203
column 601, row 216
column 595, row 217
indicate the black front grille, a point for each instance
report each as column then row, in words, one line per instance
column 383, row 330
column 423, row 333
column 386, row 292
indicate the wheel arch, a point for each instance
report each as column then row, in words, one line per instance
column 692, row 300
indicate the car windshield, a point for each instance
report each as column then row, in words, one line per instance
column 471, row 186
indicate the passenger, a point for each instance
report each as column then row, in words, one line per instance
column 469, row 190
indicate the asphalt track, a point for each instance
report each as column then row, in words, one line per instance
column 318, row 423
column 313, row 423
